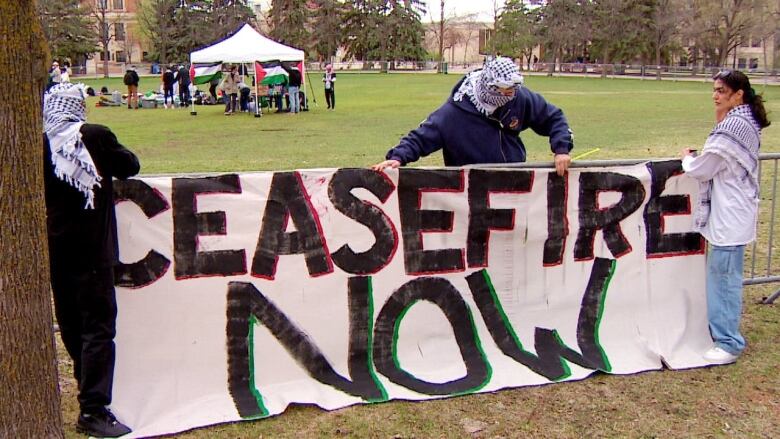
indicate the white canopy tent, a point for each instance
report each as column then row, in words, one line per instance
column 246, row 46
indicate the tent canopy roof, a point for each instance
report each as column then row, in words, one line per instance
column 246, row 46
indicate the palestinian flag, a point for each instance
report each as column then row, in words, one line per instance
column 204, row 73
column 270, row 73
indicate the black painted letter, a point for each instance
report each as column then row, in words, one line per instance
column 154, row 265
column 188, row 224
column 441, row 293
column 339, row 192
column 415, row 221
column 287, row 199
column 593, row 218
column 660, row 244
column 482, row 218
column 245, row 303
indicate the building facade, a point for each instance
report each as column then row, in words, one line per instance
column 117, row 21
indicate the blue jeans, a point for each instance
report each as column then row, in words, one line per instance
column 295, row 99
column 724, row 296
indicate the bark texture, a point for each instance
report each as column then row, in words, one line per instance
column 29, row 394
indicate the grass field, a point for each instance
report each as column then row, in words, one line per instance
column 624, row 118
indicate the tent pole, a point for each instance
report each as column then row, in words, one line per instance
column 313, row 98
column 192, row 105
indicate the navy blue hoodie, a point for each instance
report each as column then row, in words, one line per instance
column 469, row 137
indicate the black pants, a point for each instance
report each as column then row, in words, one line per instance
column 330, row 97
column 85, row 306
column 184, row 95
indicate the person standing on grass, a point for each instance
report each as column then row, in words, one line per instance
column 329, row 78
column 294, row 88
column 184, row 86
column 80, row 161
column 131, row 80
column 727, row 172
column 481, row 123
column 168, row 78
column 230, row 90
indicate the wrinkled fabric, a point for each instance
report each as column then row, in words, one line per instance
column 64, row 113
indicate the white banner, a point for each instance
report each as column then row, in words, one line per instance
column 242, row 293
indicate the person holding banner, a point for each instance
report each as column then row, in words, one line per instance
column 481, row 121
column 727, row 172
column 80, row 161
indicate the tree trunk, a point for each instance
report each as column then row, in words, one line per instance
column 29, row 392
column 106, row 55
column 658, row 61
column 441, row 39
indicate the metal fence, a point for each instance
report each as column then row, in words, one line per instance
column 761, row 257
column 762, row 265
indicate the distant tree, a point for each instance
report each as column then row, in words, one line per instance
column 717, row 27
column 29, row 392
column 104, row 22
column 665, row 25
column 516, row 32
column 328, row 27
column 158, row 23
column 621, row 30
column 766, row 27
column 222, row 17
column 470, row 27
column 385, row 29
column 565, row 27
column 289, row 20
column 67, row 26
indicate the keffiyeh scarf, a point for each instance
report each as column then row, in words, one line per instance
column 63, row 115
column 737, row 139
column 482, row 86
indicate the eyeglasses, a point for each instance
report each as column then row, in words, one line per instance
column 723, row 74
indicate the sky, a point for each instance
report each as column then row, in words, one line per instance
column 461, row 7
column 451, row 8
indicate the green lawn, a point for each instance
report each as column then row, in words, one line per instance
column 624, row 118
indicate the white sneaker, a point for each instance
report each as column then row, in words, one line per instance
column 717, row 355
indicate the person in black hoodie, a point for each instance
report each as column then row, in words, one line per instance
column 481, row 123
column 294, row 87
column 80, row 161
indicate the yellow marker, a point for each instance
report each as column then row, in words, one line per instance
column 585, row 154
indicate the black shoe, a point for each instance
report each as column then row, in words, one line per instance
column 102, row 424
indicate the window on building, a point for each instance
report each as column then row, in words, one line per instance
column 120, row 56
column 753, row 63
column 119, row 31
column 102, row 5
column 118, row 4
column 755, row 42
column 741, row 63
column 102, row 55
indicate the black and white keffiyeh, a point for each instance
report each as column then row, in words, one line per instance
column 737, row 139
column 64, row 112
column 482, row 86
